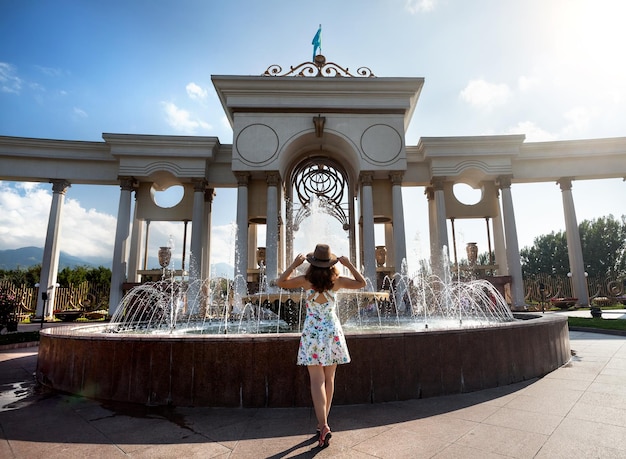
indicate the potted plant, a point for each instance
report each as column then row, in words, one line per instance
column 8, row 306
column 563, row 303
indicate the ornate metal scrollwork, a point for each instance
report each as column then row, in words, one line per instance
column 321, row 180
column 319, row 68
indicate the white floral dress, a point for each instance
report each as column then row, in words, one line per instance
column 322, row 341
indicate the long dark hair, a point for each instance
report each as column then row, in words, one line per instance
column 321, row 279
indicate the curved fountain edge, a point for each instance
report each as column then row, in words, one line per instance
column 260, row 370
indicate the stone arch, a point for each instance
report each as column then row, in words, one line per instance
column 332, row 144
column 333, row 161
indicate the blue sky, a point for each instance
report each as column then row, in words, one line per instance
column 553, row 70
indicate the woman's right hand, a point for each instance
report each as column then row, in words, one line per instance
column 344, row 260
column 298, row 260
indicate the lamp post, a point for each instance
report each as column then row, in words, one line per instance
column 45, row 297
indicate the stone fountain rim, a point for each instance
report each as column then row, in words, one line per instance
column 67, row 331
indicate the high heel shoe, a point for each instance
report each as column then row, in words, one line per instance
column 325, row 435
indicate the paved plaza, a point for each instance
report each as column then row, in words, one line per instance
column 576, row 411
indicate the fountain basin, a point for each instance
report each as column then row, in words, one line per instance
column 260, row 370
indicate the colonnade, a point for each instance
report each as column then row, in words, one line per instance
column 125, row 268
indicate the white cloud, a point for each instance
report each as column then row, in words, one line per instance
column 420, row 6
column 533, row 132
column 525, row 83
column 484, row 95
column 9, row 81
column 27, row 206
column 49, row 71
column 196, row 92
column 80, row 112
column 86, row 232
column 223, row 244
column 182, row 120
column 578, row 119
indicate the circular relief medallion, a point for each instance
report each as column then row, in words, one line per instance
column 257, row 143
column 381, row 143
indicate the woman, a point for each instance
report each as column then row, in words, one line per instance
column 322, row 345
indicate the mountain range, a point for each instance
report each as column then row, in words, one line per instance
column 26, row 257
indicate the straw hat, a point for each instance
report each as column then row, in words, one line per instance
column 322, row 257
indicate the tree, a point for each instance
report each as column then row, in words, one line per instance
column 28, row 277
column 603, row 243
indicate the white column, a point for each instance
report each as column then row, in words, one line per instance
column 289, row 230
column 241, row 245
column 369, row 242
column 512, row 245
column 252, row 246
column 146, row 243
column 197, row 230
column 352, row 228
column 441, row 225
column 51, row 251
column 118, row 270
column 399, row 236
column 391, row 251
column 135, row 243
column 209, row 194
column 499, row 246
column 432, row 225
column 574, row 247
column 271, row 230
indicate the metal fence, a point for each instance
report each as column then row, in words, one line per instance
column 543, row 287
column 84, row 296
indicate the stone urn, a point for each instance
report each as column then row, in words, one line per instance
column 165, row 256
column 381, row 255
column 472, row 253
column 260, row 256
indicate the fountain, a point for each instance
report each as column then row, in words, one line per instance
column 165, row 347
column 192, row 342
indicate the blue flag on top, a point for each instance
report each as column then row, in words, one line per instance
column 317, row 41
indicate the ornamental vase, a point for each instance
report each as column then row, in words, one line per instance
column 381, row 255
column 165, row 256
column 472, row 253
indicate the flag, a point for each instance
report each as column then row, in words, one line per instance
column 317, row 41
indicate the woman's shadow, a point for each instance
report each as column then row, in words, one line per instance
column 310, row 453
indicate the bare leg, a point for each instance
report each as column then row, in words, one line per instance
column 329, row 386
column 318, row 393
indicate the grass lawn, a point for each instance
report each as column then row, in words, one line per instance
column 599, row 323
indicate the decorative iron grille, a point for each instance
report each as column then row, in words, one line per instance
column 320, row 179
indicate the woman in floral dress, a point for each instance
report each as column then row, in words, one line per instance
column 322, row 345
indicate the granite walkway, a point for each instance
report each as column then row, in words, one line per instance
column 576, row 411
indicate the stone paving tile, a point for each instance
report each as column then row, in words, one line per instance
column 575, row 438
column 402, row 443
column 456, row 451
column 527, row 421
column 503, row 440
column 198, row 449
column 445, row 427
column 555, row 382
column 69, row 450
column 615, row 389
column 613, row 415
column 550, row 401
column 476, row 413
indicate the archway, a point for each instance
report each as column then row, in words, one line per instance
column 319, row 198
